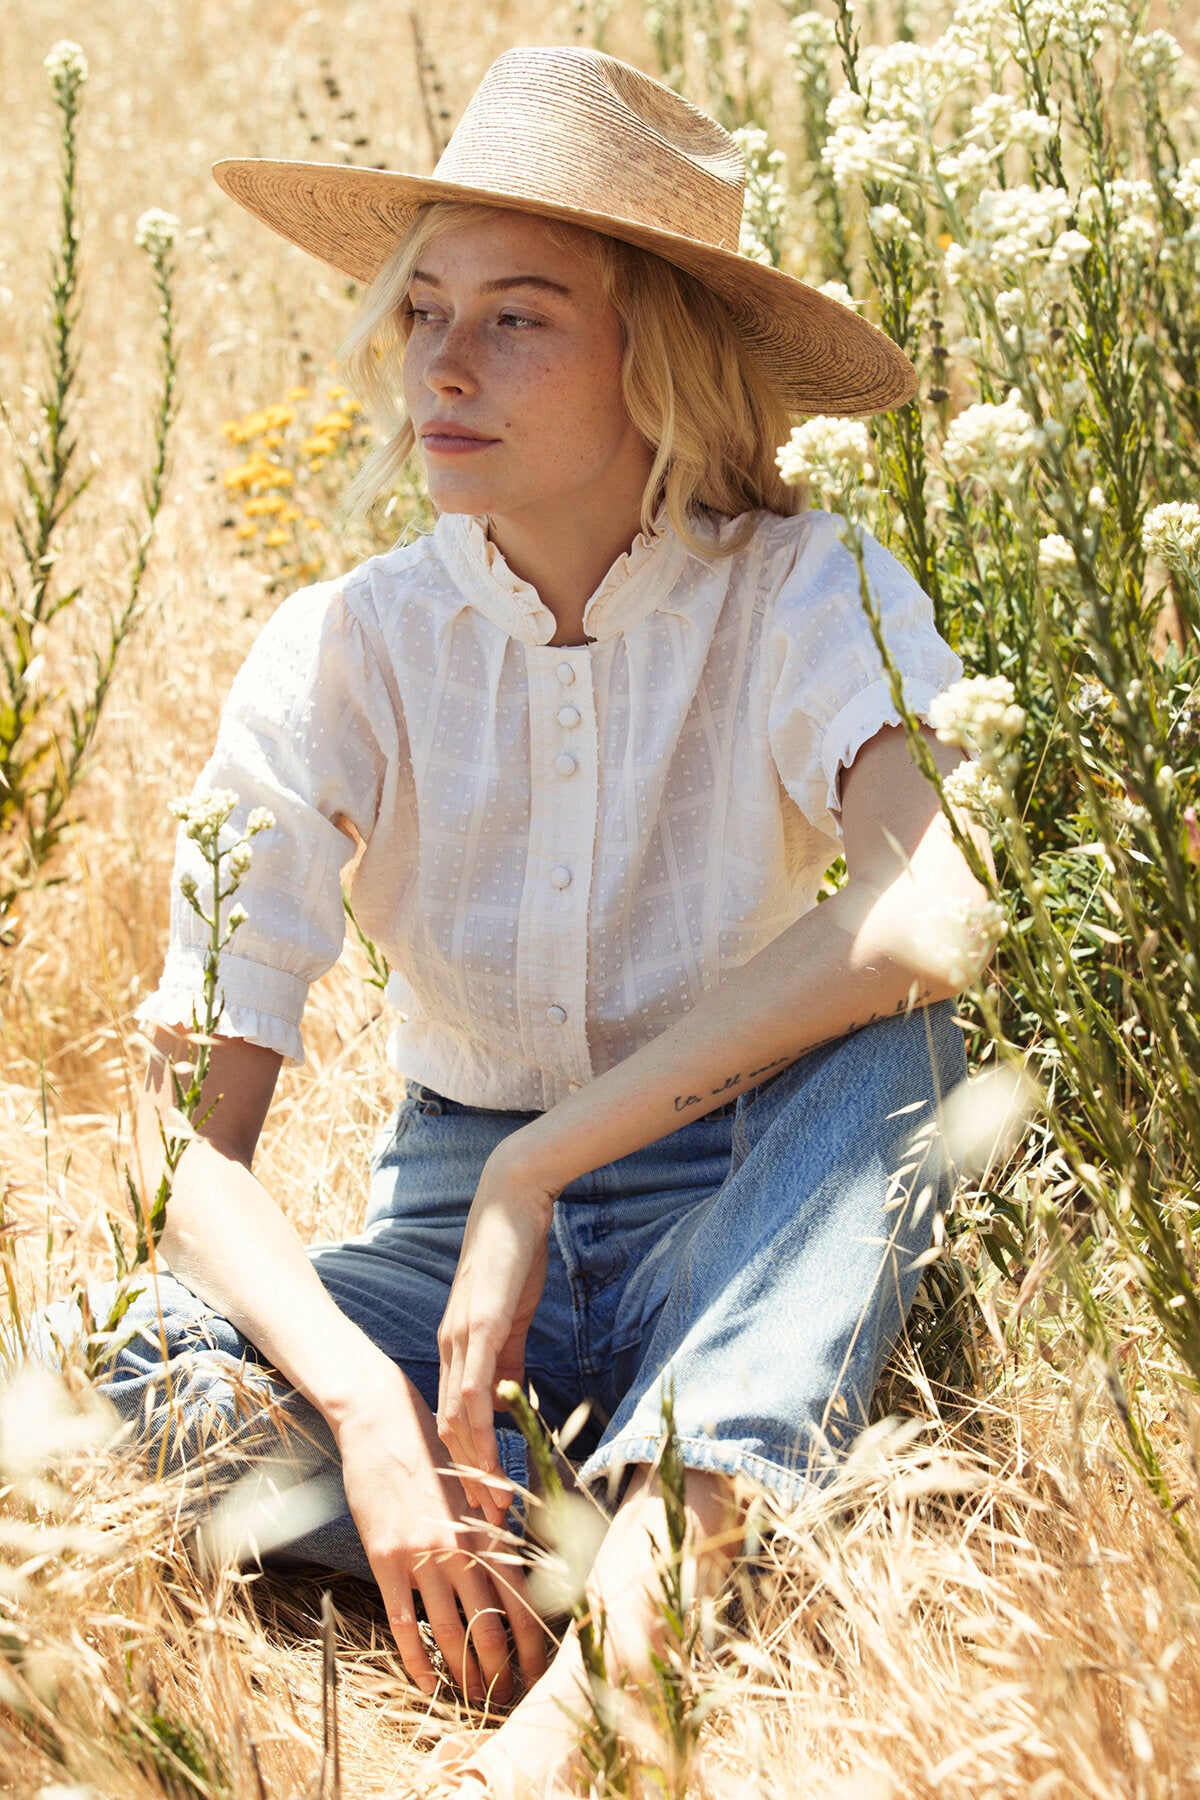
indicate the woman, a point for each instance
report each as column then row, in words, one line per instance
column 595, row 741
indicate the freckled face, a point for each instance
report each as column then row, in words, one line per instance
column 512, row 374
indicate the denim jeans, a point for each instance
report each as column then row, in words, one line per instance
column 759, row 1262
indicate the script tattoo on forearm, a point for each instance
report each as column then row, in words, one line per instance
column 685, row 1102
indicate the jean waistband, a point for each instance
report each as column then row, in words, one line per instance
column 432, row 1102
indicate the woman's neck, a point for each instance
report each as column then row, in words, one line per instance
column 565, row 554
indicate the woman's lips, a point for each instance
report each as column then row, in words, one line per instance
column 449, row 442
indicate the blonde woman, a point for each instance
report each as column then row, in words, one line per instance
column 595, row 741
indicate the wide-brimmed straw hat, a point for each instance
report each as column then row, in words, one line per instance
column 568, row 133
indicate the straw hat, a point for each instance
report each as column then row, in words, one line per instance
column 572, row 134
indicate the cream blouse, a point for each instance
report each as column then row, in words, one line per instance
column 564, row 848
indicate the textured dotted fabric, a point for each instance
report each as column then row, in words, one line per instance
column 559, row 850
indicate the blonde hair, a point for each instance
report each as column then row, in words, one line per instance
column 690, row 386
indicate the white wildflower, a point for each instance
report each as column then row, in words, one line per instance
column 992, row 444
column 1172, row 533
column 1092, row 697
column 966, row 348
column 1154, row 56
column 156, row 231
column 189, row 887
column 1011, row 306
column 1186, row 186
column 891, row 226
column 202, row 816
column 832, row 455
column 980, row 713
column 66, row 65
column 1079, row 24
column 812, row 39
column 970, row 787
column 837, row 290
column 956, row 936
column 765, row 206
column 261, row 819
column 1070, row 248
column 238, row 862
column 1056, row 559
column 1011, row 231
column 235, row 918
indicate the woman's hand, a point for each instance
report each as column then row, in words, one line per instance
column 499, row 1281
column 421, row 1539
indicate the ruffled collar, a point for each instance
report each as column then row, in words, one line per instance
column 639, row 583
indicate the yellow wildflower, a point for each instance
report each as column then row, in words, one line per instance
column 274, row 538
column 275, row 476
column 272, row 440
column 296, row 393
column 278, row 416
column 335, row 393
column 289, row 515
column 318, row 462
column 334, row 421
column 311, row 524
column 352, row 406
column 247, row 531
column 263, row 505
column 319, row 445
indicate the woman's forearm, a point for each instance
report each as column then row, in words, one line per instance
column 232, row 1245
column 858, row 957
column 827, row 975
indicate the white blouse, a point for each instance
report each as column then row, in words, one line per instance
column 564, row 848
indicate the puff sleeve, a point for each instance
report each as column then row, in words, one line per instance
column 829, row 690
column 310, row 732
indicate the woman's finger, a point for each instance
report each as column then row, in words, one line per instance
column 486, row 1631
column 477, row 1388
column 402, row 1618
column 529, row 1634
column 451, row 1419
column 445, row 1622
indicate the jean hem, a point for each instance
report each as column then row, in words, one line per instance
column 702, row 1454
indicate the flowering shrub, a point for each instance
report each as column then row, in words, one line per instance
column 1017, row 203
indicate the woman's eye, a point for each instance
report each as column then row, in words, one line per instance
column 420, row 315
column 520, row 320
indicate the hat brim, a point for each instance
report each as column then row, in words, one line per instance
column 820, row 356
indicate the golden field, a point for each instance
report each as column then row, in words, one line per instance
column 990, row 1605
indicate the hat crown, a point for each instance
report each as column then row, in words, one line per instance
column 576, row 129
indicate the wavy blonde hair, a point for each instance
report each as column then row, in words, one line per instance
column 690, row 386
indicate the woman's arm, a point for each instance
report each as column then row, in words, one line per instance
column 856, row 958
column 233, row 1246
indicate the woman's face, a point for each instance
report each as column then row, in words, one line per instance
column 512, row 375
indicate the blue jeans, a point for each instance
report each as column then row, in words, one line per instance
column 759, row 1261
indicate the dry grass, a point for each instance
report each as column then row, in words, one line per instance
column 993, row 1609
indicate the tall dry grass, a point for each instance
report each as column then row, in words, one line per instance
column 990, row 1607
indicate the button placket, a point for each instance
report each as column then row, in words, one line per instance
column 554, row 915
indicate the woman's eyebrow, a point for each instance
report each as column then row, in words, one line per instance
column 503, row 283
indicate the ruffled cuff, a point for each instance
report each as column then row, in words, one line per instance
column 858, row 721
column 264, row 1006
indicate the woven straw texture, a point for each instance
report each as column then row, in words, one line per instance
column 572, row 134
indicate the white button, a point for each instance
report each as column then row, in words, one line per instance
column 557, row 1015
column 569, row 716
column 565, row 763
column 560, row 877
column 565, row 673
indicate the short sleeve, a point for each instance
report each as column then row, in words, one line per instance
column 308, row 732
column 829, row 691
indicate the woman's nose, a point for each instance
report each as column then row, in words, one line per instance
column 451, row 367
